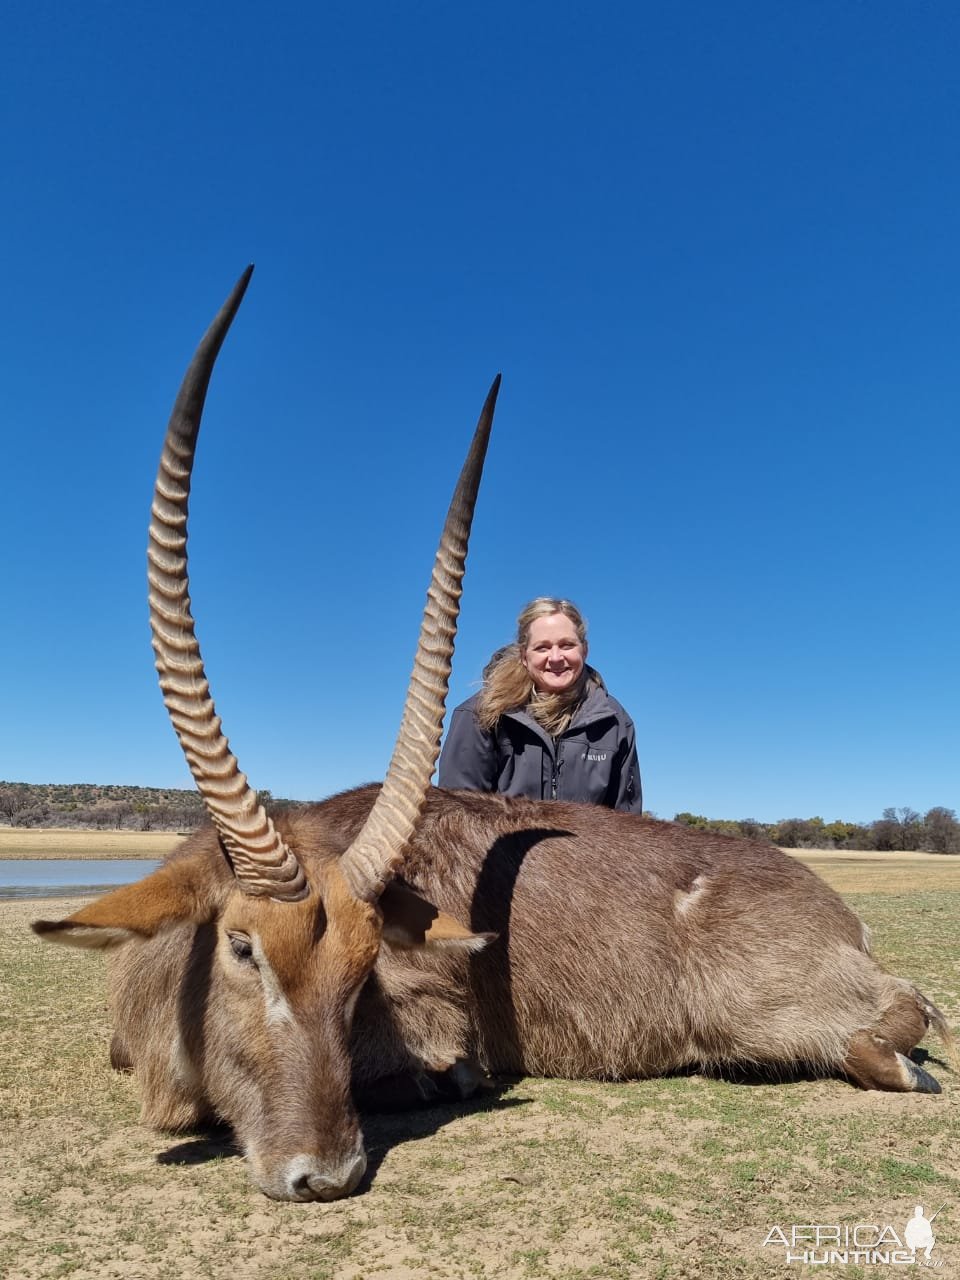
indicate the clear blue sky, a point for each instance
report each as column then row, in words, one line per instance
column 714, row 249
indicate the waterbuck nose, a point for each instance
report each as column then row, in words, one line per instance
column 307, row 1178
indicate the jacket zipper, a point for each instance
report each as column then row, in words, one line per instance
column 555, row 778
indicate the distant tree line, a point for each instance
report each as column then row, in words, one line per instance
column 936, row 831
column 99, row 808
column 24, row 804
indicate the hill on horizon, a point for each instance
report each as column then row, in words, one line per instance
column 99, row 806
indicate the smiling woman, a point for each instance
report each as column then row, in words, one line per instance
column 543, row 725
column 554, row 654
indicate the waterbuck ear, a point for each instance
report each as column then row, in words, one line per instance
column 171, row 894
column 410, row 921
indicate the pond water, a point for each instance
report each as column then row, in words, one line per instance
column 68, row 877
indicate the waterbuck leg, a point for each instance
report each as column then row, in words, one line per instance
column 464, row 1079
column 873, row 1062
column 121, row 1058
column 907, row 1020
column 422, row 1087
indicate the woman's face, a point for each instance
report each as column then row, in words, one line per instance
column 554, row 654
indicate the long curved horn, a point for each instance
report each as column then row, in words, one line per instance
column 375, row 855
column 261, row 861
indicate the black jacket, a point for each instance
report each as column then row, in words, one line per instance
column 594, row 761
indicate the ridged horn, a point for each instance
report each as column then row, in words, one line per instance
column 261, row 861
column 376, row 854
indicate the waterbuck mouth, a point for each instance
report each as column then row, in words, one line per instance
column 306, row 1177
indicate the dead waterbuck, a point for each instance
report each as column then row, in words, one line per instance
column 401, row 937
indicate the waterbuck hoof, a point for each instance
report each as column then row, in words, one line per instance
column 465, row 1079
column 920, row 1081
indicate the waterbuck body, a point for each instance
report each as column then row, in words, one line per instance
column 399, row 939
column 622, row 947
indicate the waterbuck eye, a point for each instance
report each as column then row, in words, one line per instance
column 241, row 947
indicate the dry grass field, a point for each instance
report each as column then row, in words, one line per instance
column 674, row 1179
column 22, row 842
column 851, row 871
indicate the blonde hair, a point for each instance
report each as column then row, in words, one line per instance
column 507, row 685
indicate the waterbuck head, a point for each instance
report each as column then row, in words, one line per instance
column 277, row 928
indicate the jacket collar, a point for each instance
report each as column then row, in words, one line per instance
column 597, row 705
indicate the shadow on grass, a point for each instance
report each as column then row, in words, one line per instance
column 382, row 1131
column 215, row 1143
